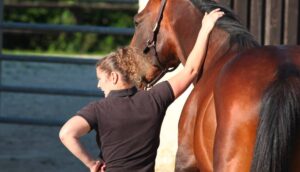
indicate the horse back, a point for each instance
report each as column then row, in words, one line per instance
column 251, row 71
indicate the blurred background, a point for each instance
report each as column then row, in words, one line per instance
column 48, row 51
column 87, row 41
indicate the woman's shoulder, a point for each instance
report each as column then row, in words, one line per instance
column 161, row 89
column 98, row 103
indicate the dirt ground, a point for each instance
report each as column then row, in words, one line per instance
column 165, row 161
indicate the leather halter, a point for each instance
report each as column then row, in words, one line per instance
column 151, row 43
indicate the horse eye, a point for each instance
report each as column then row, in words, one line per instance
column 136, row 23
column 137, row 19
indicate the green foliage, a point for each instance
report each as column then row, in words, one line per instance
column 82, row 43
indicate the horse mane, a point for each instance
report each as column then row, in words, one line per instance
column 230, row 23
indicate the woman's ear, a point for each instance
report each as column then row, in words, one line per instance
column 115, row 77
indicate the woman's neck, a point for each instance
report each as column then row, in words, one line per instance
column 122, row 85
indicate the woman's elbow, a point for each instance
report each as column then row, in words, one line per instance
column 62, row 135
column 193, row 72
column 65, row 134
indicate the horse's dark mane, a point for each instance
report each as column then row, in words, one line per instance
column 238, row 33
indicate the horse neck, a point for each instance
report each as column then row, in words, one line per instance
column 218, row 46
column 185, row 30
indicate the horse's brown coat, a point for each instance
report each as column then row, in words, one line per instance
column 218, row 124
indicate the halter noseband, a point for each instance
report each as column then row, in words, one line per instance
column 151, row 43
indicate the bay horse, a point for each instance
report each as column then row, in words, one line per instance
column 244, row 111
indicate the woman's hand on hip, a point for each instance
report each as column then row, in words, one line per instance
column 97, row 166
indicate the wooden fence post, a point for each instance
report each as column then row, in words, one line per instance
column 273, row 32
column 241, row 10
column 291, row 18
column 256, row 20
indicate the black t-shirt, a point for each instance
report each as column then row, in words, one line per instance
column 128, row 124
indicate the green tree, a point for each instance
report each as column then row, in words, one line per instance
column 85, row 43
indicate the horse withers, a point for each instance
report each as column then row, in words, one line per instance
column 244, row 111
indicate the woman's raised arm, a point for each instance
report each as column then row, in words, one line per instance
column 184, row 78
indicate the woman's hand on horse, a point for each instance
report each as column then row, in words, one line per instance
column 209, row 19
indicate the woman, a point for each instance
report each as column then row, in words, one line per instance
column 128, row 121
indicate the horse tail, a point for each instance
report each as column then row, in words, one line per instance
column 279, row 117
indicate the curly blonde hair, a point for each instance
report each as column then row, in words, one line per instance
column 125, row 61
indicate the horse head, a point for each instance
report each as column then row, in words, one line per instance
column 155, row 25
column 166, row 31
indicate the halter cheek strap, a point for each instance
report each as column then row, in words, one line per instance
column 151, row 43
